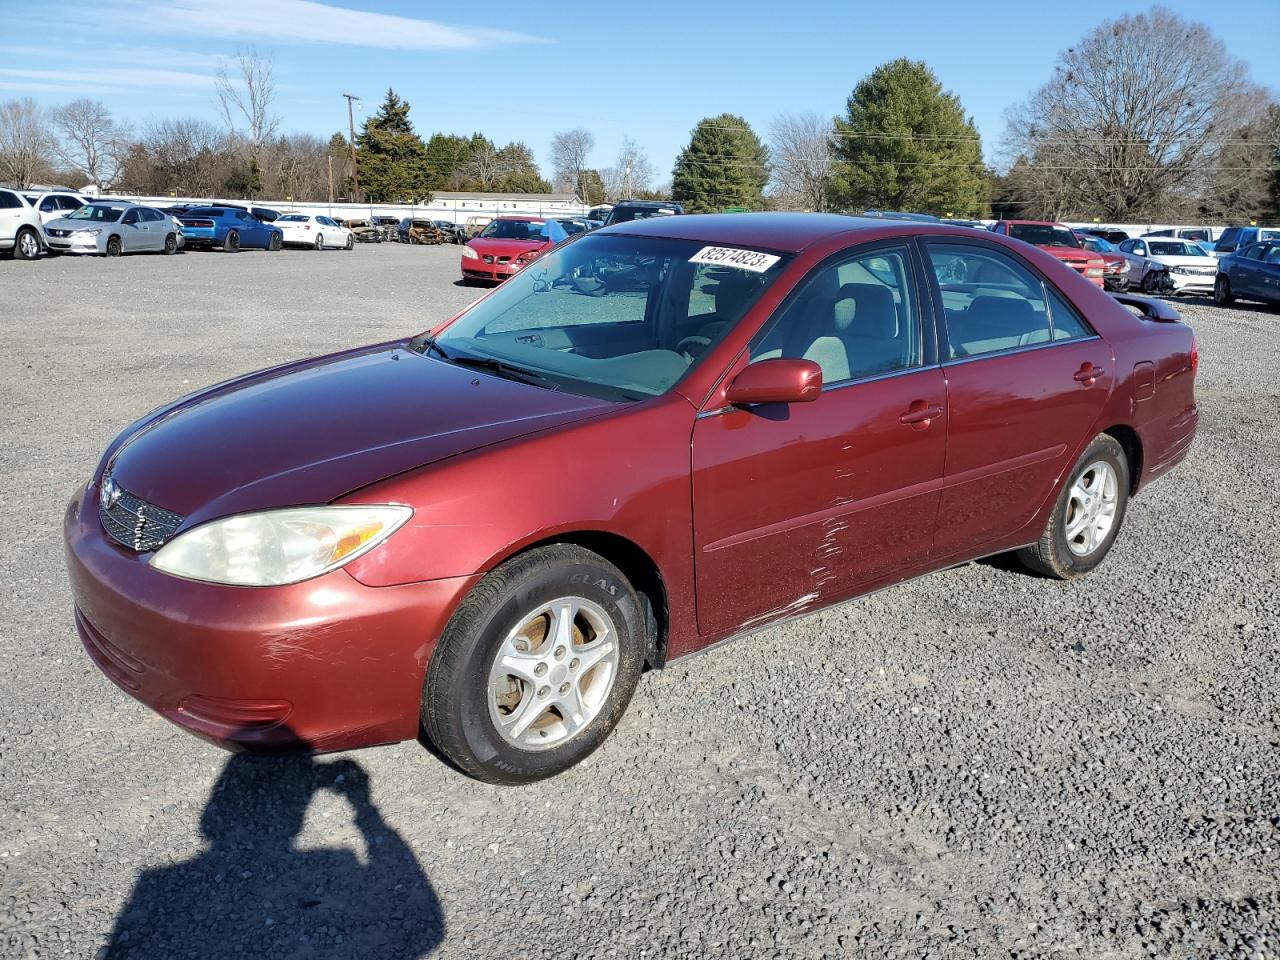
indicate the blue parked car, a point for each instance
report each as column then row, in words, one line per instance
column 1249, row 273
column 229, row 228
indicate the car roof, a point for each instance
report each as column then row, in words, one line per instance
column 786, row 232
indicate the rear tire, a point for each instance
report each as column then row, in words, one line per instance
column 1222, row 294
column 26, row 245
column 319, row 241
column 350, row 243
column 232, row 243
column 573, row 632
column 275, row 243
column 1087, row 516
column 170, row 245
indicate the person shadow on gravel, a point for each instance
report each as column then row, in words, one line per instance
column 255, row 894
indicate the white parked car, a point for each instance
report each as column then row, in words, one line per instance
column 21, row 230
column 1190, row 268
column 311, row 230
column 55, row 203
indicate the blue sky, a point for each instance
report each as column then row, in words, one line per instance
column 520, row 71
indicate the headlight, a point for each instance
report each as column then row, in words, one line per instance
column 1179, row 270
column 469, row 253
column 276, row 547
column 88, row 233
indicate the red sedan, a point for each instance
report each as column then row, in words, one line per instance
column 503, row 247
column 671, row 432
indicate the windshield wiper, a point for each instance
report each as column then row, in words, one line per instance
column 424, row 342
column 502, row 369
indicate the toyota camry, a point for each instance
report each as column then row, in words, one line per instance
column 653, row 438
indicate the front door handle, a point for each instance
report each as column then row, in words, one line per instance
column 920, row 413
column 1088, row 373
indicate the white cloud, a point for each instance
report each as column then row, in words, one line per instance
column 307, row 20
column 96, row 77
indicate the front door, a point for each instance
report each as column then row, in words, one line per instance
column 796, row 505
column 1026, row 380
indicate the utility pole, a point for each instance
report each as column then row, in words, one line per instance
column 351, row 125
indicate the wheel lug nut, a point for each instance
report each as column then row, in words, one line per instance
column 544, row 691
column 539, row 670
column 560, row 653
column 564, row 688
column 573, row 664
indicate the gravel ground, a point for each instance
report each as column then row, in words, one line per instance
column 977, row 764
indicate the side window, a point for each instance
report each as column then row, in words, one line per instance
column 991, row 301
column 1252, row 253
column 48, row 204
column 855, row 318
column 69, row 203
column 1126, row 246
column 130, row 216
column 1064, row 319
column 1227, row 242
column 9, row 201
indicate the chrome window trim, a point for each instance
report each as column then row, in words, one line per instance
column 1010, row 351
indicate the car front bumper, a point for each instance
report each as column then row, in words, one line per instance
column 496, row 271
column 327, row 664
column 1192, row 283
column 74, row 244
column 1115, row 283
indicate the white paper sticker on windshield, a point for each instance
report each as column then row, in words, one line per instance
column 751, row 260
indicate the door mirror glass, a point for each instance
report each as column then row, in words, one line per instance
column 779, row 380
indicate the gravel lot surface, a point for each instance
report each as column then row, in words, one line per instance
column 978, row 764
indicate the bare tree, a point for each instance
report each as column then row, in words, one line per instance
column 246, row 98
column 1136, row 117
column 569, row 152
column 800, row 149
column 631, row 173
column 26, row 142
column 91, row 140
column 187, row 156
column 485, row 167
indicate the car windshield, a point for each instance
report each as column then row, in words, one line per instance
column 515, row 230
column 292, row 218
column 1044, row 235
column 1174, row 248
column 97, row 213
column 615, row 317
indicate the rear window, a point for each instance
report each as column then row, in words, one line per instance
column 207, row 212
column 1043, row 235
column 292, row 218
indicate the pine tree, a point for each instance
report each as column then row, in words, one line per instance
column 392, row 158
column 724, row 165
column 906, row 144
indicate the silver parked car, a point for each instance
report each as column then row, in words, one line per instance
column 112, row 229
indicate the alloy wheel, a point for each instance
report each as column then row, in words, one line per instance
column 1091, row 508
column 553, row 673
column 28, row 245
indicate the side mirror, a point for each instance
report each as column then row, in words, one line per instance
column 780, row 380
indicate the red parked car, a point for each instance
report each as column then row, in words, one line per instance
column 503, row 247
column 1058, row 240
column 668, row 433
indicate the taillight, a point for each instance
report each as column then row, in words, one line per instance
column 306, row 226
column 1195, row 354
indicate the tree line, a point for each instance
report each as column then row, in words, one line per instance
column 1148, row 117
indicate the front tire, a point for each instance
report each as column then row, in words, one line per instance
column 1150, row 283
column 26, row 245
column 1222, row 294
column 232, row 243
column 536, row 666
column 115, row 246
column 1087, row 517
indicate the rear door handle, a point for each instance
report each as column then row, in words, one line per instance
column 920, row 412
column 1088, row 373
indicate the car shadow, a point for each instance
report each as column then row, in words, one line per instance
column 255, row 893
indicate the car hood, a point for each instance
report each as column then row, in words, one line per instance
column 1070, row 253
column 311, row 432
column 63, row 223
column 494, row 247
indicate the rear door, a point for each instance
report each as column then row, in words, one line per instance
column 11, row 208
column 1026, row 379
column 797, row 505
